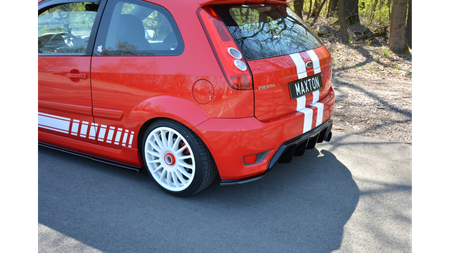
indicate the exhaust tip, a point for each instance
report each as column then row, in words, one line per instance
column 328, row 136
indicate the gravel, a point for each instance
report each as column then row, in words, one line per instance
column 373, row 87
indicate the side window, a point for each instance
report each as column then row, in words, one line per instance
column 139, row 28
column 65, row 28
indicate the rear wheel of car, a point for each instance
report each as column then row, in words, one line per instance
column 177, row 159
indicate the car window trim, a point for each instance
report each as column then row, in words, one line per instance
column 175, row 26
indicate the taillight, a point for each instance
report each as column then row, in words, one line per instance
column 230, row 59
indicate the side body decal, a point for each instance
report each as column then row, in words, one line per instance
column 84, row 129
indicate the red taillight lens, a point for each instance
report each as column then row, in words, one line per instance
column 230, row 59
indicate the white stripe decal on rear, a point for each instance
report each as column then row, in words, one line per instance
column 301, row 73
column 315, row 60
column 301, row 101
column 319, row 118
column 316, row 95
column 85, row 129
column 300, row 64
column 307, row 124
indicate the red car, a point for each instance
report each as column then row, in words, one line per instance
column 187, row 89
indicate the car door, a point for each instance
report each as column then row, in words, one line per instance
column 131, row 58
column 65, row 34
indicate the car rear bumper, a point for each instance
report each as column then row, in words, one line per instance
column 231, row 141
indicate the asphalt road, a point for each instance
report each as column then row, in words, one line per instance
column 350, row 195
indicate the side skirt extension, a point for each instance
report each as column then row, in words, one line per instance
column 95, row 158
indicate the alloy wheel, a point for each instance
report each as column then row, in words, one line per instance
column 169, row 158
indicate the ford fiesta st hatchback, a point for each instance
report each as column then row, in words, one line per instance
column 186, row 89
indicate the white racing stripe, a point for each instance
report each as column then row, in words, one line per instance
column 316, row 95
column 307, row 124
column 300, row 64
column 85, row 129
column 319, row 118
column 53, row 122
column 301, row 73
column 315, row 60
column 301, row 101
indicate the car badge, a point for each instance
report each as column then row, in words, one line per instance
column 309, row 64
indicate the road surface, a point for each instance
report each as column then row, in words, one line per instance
column 350, row 195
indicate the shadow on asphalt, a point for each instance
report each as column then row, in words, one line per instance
column 298, row 207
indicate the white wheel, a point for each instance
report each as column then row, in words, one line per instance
column 169, row 159
column 177, row 159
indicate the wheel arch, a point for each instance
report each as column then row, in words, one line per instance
column 176, row 109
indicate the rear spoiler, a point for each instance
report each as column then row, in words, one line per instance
column 211, row 2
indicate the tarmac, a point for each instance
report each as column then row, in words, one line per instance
column 353, row 194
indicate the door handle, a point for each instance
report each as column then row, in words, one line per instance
column 76, row 75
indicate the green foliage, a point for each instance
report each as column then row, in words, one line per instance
column 371, row 12
column 377, row 11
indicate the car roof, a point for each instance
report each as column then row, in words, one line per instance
column 207, row 2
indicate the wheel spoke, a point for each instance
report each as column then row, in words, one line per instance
column 153, row 153
column 176, row 142
column 184, row 172
column 180, row 177
column 158, row 140
column 185, row 165
column 184, row 157
column 163, row 175
column 157, row 168
column 170, row 140
column 155, row 147
column 174, row 179
column 181, row 149
column 164, row 138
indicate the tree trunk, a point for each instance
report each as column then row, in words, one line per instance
column 344, row 34
column 298, row 7
column 397, row 32
column 315, row 13
column 332, row 7
column 310, row 8
column 409, row 25
column 320, row 9
column 352, row 13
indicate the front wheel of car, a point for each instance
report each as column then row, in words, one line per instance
column 177, row 159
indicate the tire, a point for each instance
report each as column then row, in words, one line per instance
column 177, row 159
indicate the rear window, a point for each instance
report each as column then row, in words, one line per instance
column 264, row 31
